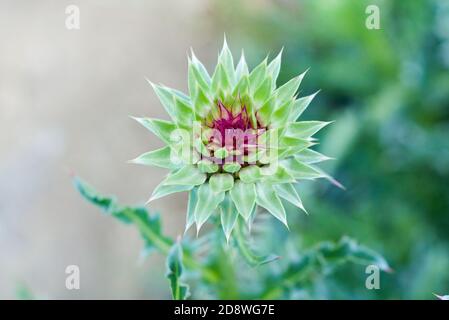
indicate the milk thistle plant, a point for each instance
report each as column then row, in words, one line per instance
column 234, row 143
column 237, row 146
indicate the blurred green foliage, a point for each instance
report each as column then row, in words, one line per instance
column 388, row 91
column 219, row 269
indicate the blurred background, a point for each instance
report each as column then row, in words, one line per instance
column 65, row 97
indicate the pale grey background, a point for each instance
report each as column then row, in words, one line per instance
column 65, row 97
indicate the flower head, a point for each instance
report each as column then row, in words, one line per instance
column 234, row 142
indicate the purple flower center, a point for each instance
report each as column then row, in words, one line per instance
column 235, row 133
column 227, row 121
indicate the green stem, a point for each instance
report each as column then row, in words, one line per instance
column 164, row 248
column 244, row 250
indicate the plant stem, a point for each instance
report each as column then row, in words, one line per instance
column 241, row 243
column 164, row 248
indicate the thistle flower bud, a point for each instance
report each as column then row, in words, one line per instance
column 234, row 142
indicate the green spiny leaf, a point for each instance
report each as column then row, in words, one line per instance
column 288, row 192
column 305, row 129
column 165, row 97
column 187, row 175
column 300, row 106
column 180, row 95
column 286, row 92
column 201, row 69
column 300, row 170
column 324, row 258
column 268, row 199
column 328, row 177
column 294, row 142
column 201, row 75
column 266, row 110
column 228, row 216
column 180, row 291
column 280, row 115
column 202, row 103
column 149, row 225
column 257, row 76
column 161, row 128
column 163, row 190
column 193, row 198
column 226, row 60
column 242, row 67
column 291, row 146
column 220, row 80
column 274, row 67
column 275, row 174
column 310, row 156
column 191, row 80
column 106, row 203
column 207, row 203
column 242, row 87
column 160, row 158
column 183, row 112
column 349, row 250
column 263, row 92
column 150, row 228
column 175, row 103
column 244, row 197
